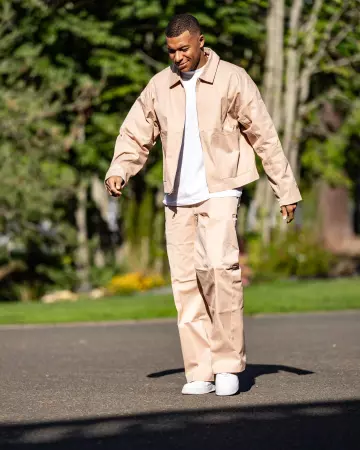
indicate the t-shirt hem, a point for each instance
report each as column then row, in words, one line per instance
column 237, row 192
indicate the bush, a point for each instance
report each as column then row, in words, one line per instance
column 134, row 282
column 297, row 253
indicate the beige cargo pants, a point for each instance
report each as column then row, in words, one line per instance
column 203, row 254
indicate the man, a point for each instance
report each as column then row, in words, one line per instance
column 211, row 118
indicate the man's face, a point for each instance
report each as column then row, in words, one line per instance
column 185, row 50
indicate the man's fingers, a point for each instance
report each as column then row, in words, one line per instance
column 114, row 191
column 290, row 217
column 290, row 213
column 113, row 186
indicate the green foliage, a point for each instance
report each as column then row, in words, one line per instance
column 63, row 277
column 335, row 159
column 41, row 92
column 101, row 276
column 294, row 254
column 327, row 147
column 154, row 176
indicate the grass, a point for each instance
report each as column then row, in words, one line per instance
column 279, row 296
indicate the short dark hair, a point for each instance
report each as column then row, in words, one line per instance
column 181, row 23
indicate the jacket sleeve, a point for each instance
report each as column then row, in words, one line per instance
column 137, row 136
column 260, row 131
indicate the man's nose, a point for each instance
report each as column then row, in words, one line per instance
column 178, row 57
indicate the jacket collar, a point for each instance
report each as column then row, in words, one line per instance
column 208, row 74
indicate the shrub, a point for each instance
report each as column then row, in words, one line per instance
column 297, row 253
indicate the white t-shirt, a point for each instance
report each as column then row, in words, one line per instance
column 190, row 182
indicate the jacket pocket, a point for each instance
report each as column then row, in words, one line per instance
column 225, row 145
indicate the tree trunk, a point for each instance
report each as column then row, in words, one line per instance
column 272, row 93
column 336, row 227
column 102, row 201
column 291, row 76
column 283, row 107
column 82, row 253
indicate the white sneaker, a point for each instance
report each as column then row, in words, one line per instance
column 198, row 387
column 226, row 384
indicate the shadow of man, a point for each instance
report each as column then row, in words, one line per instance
column 247, row 378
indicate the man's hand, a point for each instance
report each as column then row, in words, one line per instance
column 113, row 186
column 288, row 212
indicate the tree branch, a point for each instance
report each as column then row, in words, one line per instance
column 340, row 37
column 310, row 26
column 340, row 63
column 314, row 61
column 314, row 104
column 150, row 61
column 311, row 64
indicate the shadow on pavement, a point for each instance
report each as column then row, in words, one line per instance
column 248, row 378
column 318, row 426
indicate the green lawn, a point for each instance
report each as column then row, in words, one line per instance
column 280, row 296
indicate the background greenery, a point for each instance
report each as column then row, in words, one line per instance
column 69, row 72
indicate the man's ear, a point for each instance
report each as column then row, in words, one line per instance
column 201, row 40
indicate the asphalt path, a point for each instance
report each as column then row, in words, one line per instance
column 117, row 386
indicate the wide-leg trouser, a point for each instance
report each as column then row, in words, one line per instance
column 203, row 255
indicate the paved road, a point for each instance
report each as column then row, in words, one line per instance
column 117, row 386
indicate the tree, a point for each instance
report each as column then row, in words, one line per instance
column 49, row 91
column 319, row 42
column 36, row 181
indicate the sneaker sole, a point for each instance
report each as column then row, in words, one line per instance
column 226, row 394
column 199, row 392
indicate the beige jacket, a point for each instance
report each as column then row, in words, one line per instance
column 233, row 123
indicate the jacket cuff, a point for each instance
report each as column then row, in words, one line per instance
column 116, row 171
column 290, row 199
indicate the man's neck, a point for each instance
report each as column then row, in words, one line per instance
column 202, row 61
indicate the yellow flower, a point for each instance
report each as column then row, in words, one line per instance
column 134, row 282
